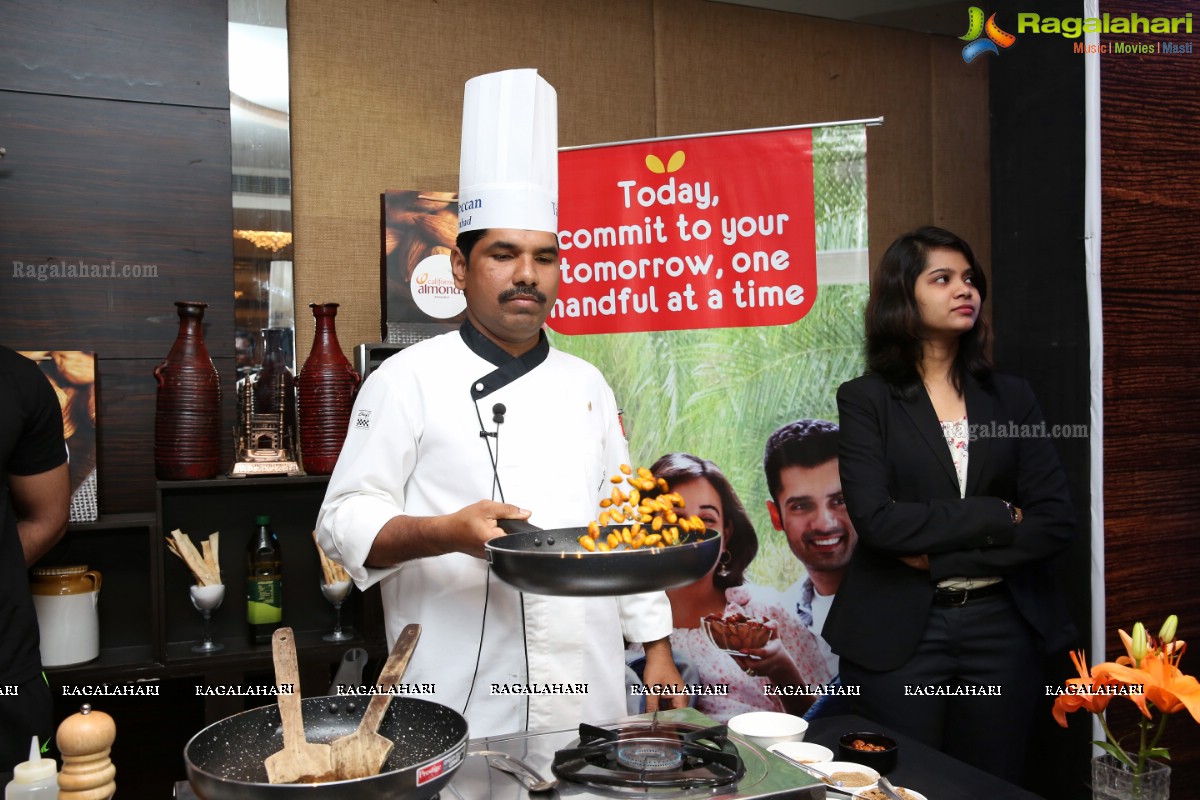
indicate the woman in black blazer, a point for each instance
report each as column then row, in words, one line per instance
column 959, row 502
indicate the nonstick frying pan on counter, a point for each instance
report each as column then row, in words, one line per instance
column 225, row 760
column 553, row 562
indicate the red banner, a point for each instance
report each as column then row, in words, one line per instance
column 676, row 234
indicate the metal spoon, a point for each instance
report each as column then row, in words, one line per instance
column 514, row 766
column 886, row 787
column 810, row 770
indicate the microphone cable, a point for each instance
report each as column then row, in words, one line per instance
column 498, row 412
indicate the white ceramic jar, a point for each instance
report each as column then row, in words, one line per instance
column 66, row 600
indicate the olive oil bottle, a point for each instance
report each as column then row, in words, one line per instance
column 264, row 582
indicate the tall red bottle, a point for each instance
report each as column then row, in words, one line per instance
column 325, row 392
column 187, row 413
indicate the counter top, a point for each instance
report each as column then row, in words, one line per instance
column 920, row 767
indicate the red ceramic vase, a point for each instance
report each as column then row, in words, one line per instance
column 325, row 391
column 187, row 413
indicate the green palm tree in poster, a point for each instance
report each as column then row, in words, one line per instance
column 719, row 393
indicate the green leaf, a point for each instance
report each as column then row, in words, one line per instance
column 1116, row 753
column 1158, row 752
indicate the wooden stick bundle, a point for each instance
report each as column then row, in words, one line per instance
column 204, row 563
column 332, row 572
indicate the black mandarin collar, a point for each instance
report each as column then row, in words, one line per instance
column 508, row 367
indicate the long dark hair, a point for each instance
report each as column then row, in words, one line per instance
column 741, row 541
column 895, row 336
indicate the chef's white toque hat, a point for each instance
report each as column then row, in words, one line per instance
column 508, row 171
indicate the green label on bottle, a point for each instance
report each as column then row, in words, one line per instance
column 264, row 602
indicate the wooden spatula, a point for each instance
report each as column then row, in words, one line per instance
column 300, row 761
column 362, row 754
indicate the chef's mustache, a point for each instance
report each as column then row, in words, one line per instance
column 522, row 291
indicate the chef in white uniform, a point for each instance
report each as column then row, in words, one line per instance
column 487, row 423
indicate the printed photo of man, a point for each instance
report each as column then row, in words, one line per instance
column 801, row 466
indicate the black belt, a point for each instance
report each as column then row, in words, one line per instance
column 960, row 597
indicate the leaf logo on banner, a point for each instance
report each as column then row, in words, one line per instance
column 655, row 165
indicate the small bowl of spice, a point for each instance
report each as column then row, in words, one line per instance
column 874, row 750
column 852, row 776
column 879, row 794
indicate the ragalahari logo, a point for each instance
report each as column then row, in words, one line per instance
column 996, row 38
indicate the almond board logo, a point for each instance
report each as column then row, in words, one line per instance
column 976, row 27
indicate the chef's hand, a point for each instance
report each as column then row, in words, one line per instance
column 406, row 538
column 475, row 525
column 660, row 669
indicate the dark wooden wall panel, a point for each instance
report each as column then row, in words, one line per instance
column 137, row 186
column 115, row 117
column 154, row 51
column 1151, row 199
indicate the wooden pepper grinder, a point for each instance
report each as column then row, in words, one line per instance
column 85, row 739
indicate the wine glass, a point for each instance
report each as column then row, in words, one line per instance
column 207, row 599
column 336, row 594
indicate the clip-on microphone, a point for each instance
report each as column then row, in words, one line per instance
column 497, row 417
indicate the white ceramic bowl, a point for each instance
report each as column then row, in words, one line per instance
column 831, row 767
column 913, row 793
column 766, row 728
column 804, row 752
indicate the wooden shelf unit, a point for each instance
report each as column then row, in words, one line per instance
column 147, row 623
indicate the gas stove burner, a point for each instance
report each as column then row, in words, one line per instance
column 652, row 755
column 649, row 756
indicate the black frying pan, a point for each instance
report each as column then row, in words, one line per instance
column 225, row 760
column 553, row 562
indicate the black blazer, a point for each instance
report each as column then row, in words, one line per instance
column 903, row 497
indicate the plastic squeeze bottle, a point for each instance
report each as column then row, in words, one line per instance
column 35, row 779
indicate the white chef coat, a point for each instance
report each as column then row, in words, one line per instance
column 414, row 447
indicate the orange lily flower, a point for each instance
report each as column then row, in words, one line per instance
column 1081, row 696
column 1165, row 684
column 1152, row 677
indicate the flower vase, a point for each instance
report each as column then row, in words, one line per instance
column 187, row 413
column 1113, row 780
column 325, row 389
